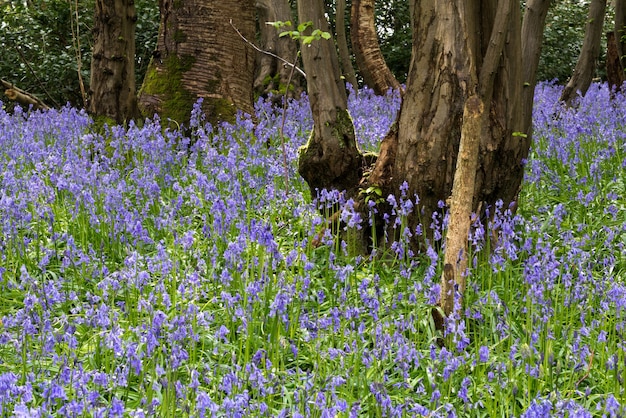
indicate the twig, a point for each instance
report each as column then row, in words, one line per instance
column 293, row 66
column 79, row 58
column 25, row 61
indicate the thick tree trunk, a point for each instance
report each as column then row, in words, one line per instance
column 474, row 124
column 586, row 65
column 367, row 52
column 112, row 85
column 342, row 46
column 200, row 55
column 432, row 110
column 272, row 75
column 330, row 158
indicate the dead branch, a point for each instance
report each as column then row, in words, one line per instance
column 23, row 97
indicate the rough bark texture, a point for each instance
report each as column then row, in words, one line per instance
column 586, row 65
column 272, row 75
column 614, row 69
column 431, row 117
column 330, row 158
column 367, row 52
column 112, row 86
column 199, row 55
column 342, row 45
column 474, row 121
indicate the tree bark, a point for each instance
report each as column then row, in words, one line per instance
column 366, row 49
column 199, row 55
column 532, row 38
column 272, row 75
column 474, row 124
column 330, row 159
column 586, row 65
column 112, row 85
column 620, row 30
column 342, row 46
column 614, row 69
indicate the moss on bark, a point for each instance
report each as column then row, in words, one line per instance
column 166, row 83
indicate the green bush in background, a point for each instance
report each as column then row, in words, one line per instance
column 43, row 42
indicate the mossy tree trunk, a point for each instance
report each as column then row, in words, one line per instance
column 200, row 55
column 330, row 159
column 112, row 85
column 272, row 75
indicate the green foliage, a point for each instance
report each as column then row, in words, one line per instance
column 563, row 38
column 393, row 24
column 37, row 46
column 298, row 34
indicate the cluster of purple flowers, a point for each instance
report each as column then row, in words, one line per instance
column 147, row 272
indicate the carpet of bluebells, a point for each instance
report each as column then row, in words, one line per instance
column 149, row 272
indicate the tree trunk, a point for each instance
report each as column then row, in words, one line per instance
column 272, row 74
column 620, row 30
column 367, row 52
column 112, row 85
column 431, row 117
column 532, row 38
column 200, row 55
column 330, row 159
column 614, row 69
column 586, row 65
column 474, row 124
column 342, row 46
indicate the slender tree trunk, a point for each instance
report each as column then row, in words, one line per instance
column 330, row 158
column 113, row 64
column 620, row 29
column 614, row 69
column 586, row 65
column 200, row 55
column 532, row 38
column 367, row 52
column 342, row 46
column 272, row 75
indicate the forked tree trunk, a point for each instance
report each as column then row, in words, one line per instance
column 113, row 63
column 586, row 65
column 369, row 57
column 342, row 46
column 330, row 159
column 272, row 75
column 200, row 55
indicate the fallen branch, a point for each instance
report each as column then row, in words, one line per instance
column 23, row 97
